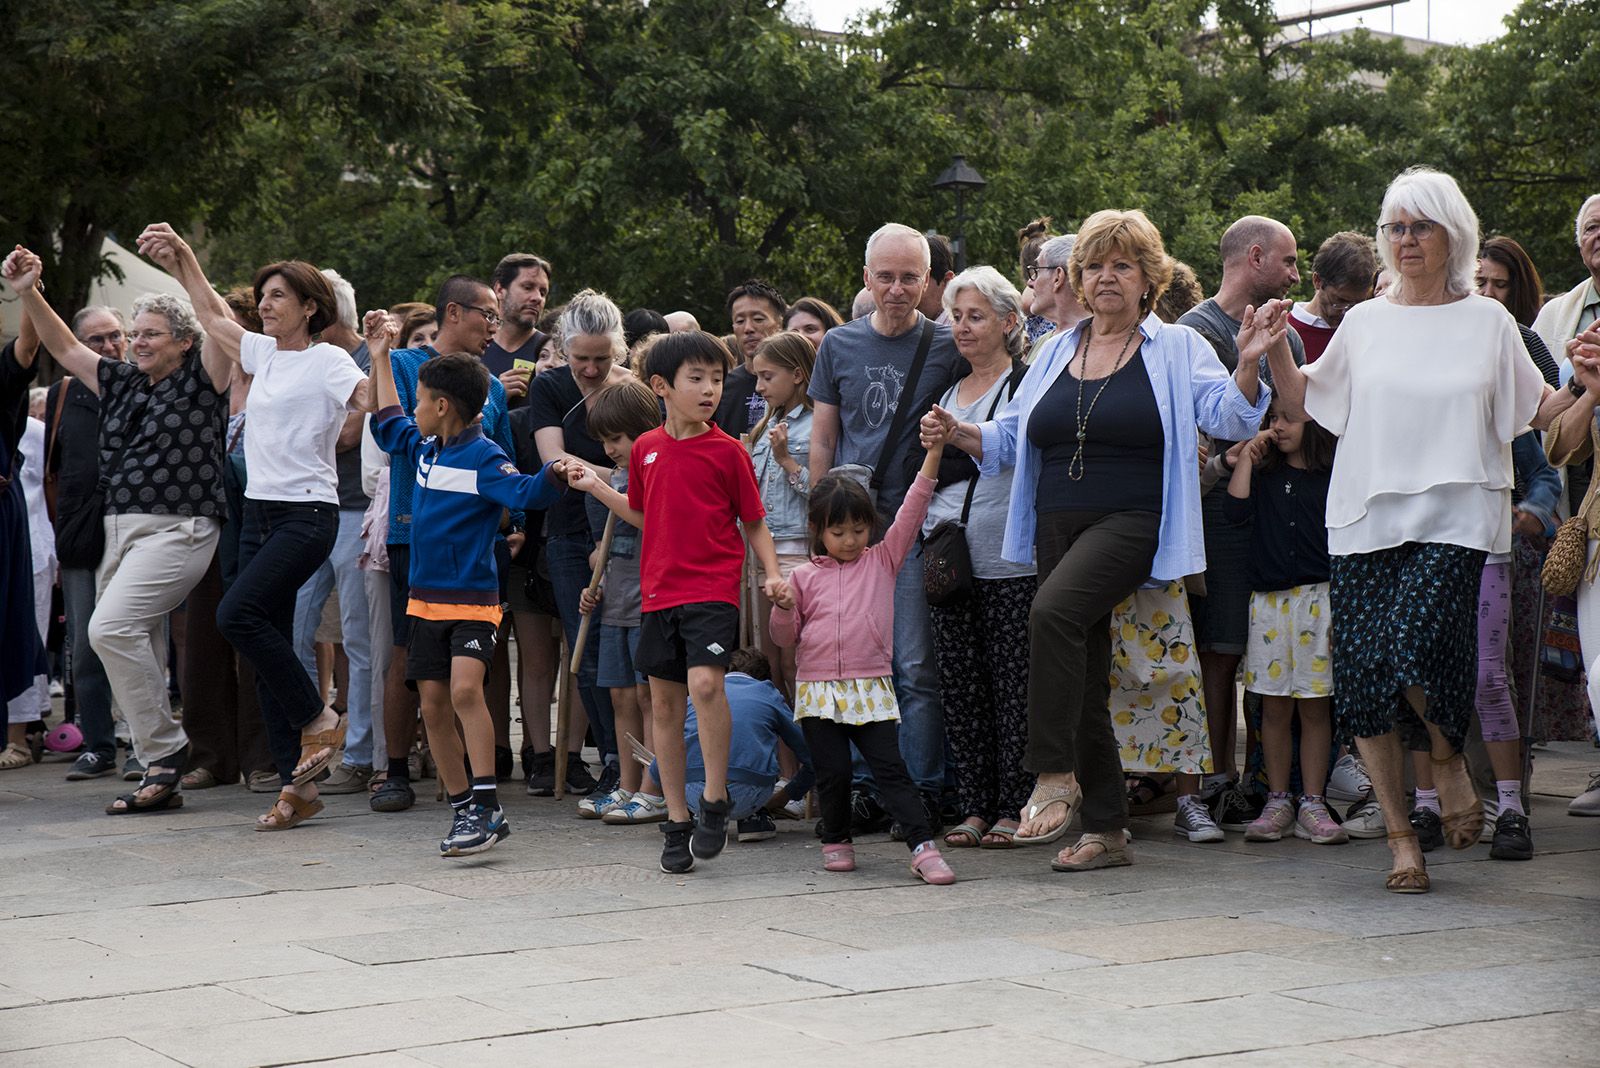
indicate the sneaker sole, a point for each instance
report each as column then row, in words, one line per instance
column 756, row 836
column 386, row 805
column 678, row 871
column 84, row 776
column 628, row 821
column 1501, row 853
column 1354, row 832
column 1200, row 836
column 1261, row 837
column 1327, row 839
column 467, row 851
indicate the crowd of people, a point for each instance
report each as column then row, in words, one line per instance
column 973, row 563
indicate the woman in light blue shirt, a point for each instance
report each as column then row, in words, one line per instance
column 1106, row 495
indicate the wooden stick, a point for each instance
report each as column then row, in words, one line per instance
column 594, row 587
column 564, row 681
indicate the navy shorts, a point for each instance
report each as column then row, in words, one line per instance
column 673, row 640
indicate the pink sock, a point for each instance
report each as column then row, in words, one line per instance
column 1429, row 799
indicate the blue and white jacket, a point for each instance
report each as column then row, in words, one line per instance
column 461, row 485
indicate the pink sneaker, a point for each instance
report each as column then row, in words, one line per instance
column 930, row 867
column 839, row 857
column 1315, row 823
column 1274, row 820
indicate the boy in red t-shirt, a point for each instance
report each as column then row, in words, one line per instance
column 689, row 486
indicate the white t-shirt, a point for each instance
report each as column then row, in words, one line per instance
column 1425, row 400
column 297, row 406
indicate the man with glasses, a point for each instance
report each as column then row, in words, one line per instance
column 468, row 316
column 1341, row 277
column 865, row 374
column 72, row 436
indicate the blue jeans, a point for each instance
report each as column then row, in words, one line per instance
column 747, row 799
column 90, row 686
column 568, row 555
column 916, row 679
column 341, row 568
column 281, row 546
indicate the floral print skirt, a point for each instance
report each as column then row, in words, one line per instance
column 848, row 701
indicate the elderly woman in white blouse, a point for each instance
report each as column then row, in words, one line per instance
column 1426, row 388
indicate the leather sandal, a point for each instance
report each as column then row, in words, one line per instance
column 168, row 795
column 1041, row 801
column 1461, row 829
column 1407, row 880
column 967, row 834
column 317, row 750
column 1113, row 854
column 303, row 810
column 998, row 837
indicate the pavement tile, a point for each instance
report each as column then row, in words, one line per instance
column 469, row 939
column 111, row 1051
column 1398, row 914
column 1549, row 1039
column 977, row 1045
column 1197, row 937
column 10, row 999
column 1429, row 951
column 97, row 1018
column 63, row 969
column 1300, row 1056
column 930, row 964
column 1196, row 978
column 1466, row 996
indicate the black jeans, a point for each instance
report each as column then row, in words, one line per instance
column 1088, row 563
column 281, row 546
column 879, row 744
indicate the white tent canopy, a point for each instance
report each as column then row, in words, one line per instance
column 139, row 276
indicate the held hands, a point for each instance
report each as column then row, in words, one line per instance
column 161, row 243
column 778, row 592
column 22, row 270
column 380, row 330
column 937, row 428
column 561, row 470
column 1584, row 352
column 580, row 477
column 1250, row 452
column 1262, row 328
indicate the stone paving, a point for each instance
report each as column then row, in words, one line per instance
column 185, row 938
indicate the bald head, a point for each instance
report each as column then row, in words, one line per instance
column 863, row 304
column 1259, row 260
column 681, row 321
column 1252, row 231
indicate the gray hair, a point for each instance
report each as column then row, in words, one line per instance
column 891, row 231
column 591, row 313
column 344, row 297
column 1056, row 251
column 864, row 304
column 1425, row 193
column 179, row 315
column 1002, row 296
column 95, row 309
column 1577, row 224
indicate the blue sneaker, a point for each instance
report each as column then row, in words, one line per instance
column 475, row 829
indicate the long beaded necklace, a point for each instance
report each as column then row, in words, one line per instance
column 1075, row 466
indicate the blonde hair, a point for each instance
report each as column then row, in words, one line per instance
column 1131, row 233
column 792, row 351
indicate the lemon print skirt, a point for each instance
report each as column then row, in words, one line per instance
column 848, row 701
column 1288, row 651
column 1158, row 707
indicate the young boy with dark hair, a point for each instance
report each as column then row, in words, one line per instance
column 464, row 481
column 690, row 486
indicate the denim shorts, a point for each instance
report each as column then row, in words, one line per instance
column 618, row 648
column 747, row 800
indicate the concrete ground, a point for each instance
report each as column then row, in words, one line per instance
column 187, row 938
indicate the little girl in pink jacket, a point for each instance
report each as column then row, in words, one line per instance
column 838, row 614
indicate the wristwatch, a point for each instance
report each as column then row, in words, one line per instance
column 1574, row 387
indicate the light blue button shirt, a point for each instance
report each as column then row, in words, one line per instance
column 1192, row 388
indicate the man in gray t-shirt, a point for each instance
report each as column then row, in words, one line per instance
column 859, row 382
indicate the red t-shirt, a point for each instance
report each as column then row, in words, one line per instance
column 1314, row 337
column 691, row 492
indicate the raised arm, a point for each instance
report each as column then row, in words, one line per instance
column 1568, row 441
column 582, row 477
column 22, row 270
column 161, row 243
column 1265, row 331
column 380, row 330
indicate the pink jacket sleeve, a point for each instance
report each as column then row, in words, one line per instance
column 902, row 532
column 784, row 623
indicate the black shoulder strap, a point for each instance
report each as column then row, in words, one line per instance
column 1018, row 369
column 902, row 408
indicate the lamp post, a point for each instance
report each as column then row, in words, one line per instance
column 960, row 177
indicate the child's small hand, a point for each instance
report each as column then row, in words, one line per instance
column 379, row 328
column 1236, row 453
column 778, row 438
column 515, row 541
column 588, row 602
column 1260, row 445
column 778, row 592
column 580, row 477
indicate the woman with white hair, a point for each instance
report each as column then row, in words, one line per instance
column 981, row 636
column 161, row 436
column 1426, row 388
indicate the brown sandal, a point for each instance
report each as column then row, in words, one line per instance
column 1407, row 880
column 317, row 750
column 303, row 810
column 1461, row 829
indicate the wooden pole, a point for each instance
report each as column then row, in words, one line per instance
column 567, row 677
column 594, row 587
column 564, row 683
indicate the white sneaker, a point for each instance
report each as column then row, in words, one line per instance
column 792, row 810
column 593, row 808
column 1588, row 802
column 1349, row 781
column 1365, row 820
column 640, row 808
column 1193, row 821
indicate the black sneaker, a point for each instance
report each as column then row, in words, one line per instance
column 676, row 856
column 1512, row 839
column 1429, row 828
column 757, row 828
column 1234, row 810
column 475, row 829
column 866, row 814
column 504, row 763
column 92, row 765
column 711, row 830
column 610, row 779
column 527, row 760
column 392, row 795
column 542, row 777
column 579, row 780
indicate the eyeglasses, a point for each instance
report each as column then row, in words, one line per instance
column 909, row 281
column 490, row 317
column 147, row 335
column 1422, row 229
column 1030, row 273
column 96, row 340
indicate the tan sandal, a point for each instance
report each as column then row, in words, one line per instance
column 1041, row 801
column 1113, row 854
column 317, row 750
column 1461, row 829
column 1407, row 880
column 277, row 821
column 15, row 755
column 968, row 834
column 199, row 779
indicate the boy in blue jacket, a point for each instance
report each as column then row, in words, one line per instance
column 464, row 480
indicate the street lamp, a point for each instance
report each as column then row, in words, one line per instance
column 961, row 178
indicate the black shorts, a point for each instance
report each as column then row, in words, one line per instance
column 400, row 592
column 436, row 642
column 673, row 640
